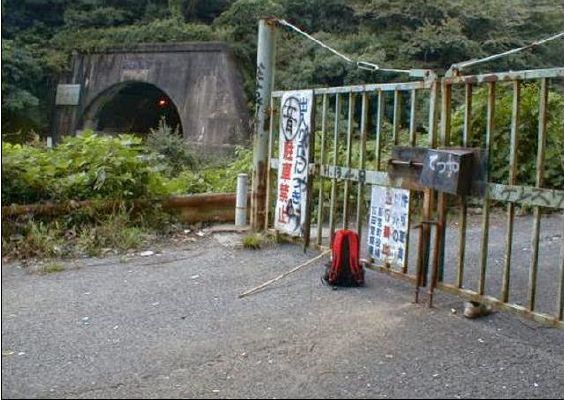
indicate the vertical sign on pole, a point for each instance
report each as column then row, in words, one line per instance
column 295, row 130
column 388, row 225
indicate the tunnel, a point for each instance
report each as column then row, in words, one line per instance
column 131, row 107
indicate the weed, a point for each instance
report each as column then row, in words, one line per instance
column 52, row 268
column 36, row 239
column 175, row 151
column 252, row 241
column 258, row 240
column 114, row 231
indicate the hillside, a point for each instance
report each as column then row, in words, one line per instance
column 38, row 37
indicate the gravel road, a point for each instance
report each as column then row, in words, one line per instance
column 171, row 325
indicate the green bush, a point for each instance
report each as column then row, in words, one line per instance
column 91, row 167
column 82, row 167
column 527, row 134
column 176, row 153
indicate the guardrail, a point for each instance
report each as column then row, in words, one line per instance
column 193, row 208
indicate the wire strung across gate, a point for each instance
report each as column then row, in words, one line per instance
column 366, row 65
column 461, row 65
column 359, row 63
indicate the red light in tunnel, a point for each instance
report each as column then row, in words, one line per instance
column 162, row 102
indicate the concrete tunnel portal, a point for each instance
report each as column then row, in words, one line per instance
column 194, row 86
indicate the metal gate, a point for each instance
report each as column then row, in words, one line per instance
column 354, row 136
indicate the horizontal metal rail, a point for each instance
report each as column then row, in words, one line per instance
column 506, row 76
column 471, row 295
column 526, row 195
column 384, row 87
column 396, row 274
column 202, row 207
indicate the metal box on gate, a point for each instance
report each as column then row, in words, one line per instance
column 448, row 170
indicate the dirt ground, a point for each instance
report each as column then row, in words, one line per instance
column 171, row 325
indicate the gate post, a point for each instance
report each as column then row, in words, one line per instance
column 266, row 51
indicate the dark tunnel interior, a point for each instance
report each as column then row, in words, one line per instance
column 136, row 108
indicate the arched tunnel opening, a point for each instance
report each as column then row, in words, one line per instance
column 134, row 107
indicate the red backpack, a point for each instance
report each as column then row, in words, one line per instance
column 345, row 269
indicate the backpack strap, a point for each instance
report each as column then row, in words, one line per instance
column 354, row 262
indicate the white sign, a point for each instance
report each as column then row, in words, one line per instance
column 67, row 95
column 135, row 75
column 388, row 227
column 295, row 126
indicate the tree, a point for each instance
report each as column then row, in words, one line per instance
column 20, row 73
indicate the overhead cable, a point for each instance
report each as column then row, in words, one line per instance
column 461, row 65
column 359, row 63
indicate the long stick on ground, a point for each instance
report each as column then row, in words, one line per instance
column 256, row 289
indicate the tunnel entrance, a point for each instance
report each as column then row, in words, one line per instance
column 133, row 107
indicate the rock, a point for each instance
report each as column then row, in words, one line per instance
column 476, row 310
column 475, row 210
column 146, row 253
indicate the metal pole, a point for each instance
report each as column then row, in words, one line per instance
column 241, row 204
column 266, row 51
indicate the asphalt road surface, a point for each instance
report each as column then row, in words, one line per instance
column 171, row 325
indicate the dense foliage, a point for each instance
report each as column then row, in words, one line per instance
column 527, row 139
column 123, row 169
column 39, row 36
column 102, row 167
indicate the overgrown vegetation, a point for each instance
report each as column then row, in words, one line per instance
column 90, row 166
column 115, row 174
column 87, row 231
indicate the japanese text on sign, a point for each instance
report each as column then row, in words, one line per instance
column 295, row 125
column 389, row 225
